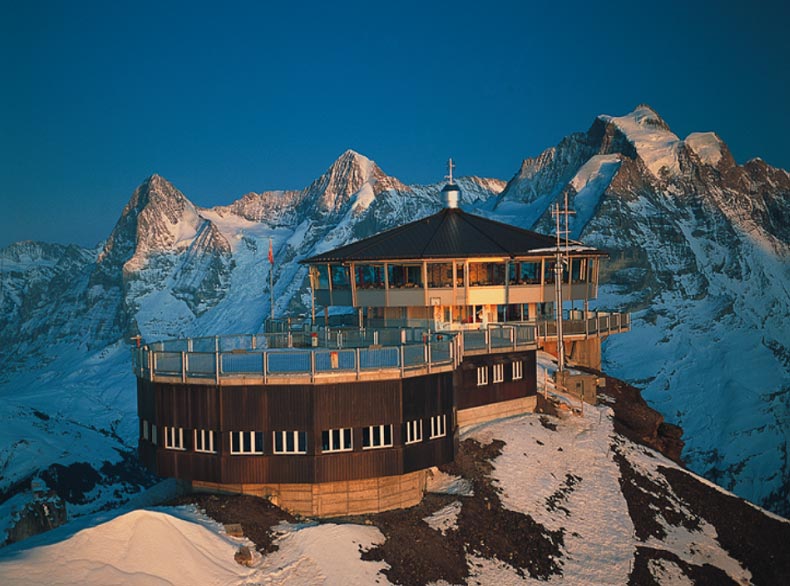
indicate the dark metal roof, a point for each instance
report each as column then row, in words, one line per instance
column 451, row 233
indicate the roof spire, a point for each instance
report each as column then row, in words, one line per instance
column 450, row 167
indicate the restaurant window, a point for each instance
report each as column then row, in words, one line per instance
column 499, row 373
column 340, row 277
column 578, row 270
column 204, row 441
column 486, row 273
column 440, row 275
column 438, row 426
column 336, row 440
column 376, row 436
column 174, row 438
column 459, row 274
column 482, row 376
column 322, row 276
column 414, row 431
column 524, row 273
column 404, row 276
column 246, row 442
column 548, row 273
column 369, row 276
column 290, row 442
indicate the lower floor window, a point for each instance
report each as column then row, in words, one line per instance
column 290, row 442
column 204, row 441
column 438, row 426
column 246, row 442
column 414, row 431
column 518, row 370
column 376, row 436
column 174, row 438
column 336, row 440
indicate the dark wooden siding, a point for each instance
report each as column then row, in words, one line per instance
column 469, row 394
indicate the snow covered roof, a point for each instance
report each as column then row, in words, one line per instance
column 451, row 233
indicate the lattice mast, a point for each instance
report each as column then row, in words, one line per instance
column 561, row 260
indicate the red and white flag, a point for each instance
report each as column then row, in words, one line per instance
column 271, row 252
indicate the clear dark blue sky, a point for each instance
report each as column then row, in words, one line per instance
column 224, row 98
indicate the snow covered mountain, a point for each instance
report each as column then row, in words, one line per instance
column 699, row 250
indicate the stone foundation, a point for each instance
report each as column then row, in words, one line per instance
column 334, row 499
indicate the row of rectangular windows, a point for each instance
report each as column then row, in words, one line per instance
column 499, row 373
column 295, row 442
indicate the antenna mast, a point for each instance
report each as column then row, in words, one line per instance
column 561, row 259
column 450, row 167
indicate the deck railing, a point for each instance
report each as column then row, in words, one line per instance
column 593, row 324
column 357, row 354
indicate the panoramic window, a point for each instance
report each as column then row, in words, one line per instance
column 174, row 438
column 404, row 276
column 246, row 442
column 459, row 274
column 376, row 436
column 322, row 276
column 518, row 373
column 340, row 277
column 440, row 275
column 499, row 373
column 524, row 273
column 438, row 426
column 482, row 376
column 204, row 441
column 336, row 440
column 578, row 270
column 548, row 272
column 414, row 431
column 369, row 276
column 486, row 273
column 290, row 442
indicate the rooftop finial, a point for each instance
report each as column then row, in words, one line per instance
column 450, row 167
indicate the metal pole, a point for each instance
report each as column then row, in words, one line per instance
column 558, row 295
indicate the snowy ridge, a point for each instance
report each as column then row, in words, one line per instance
column 650, row 135
column 706, row 145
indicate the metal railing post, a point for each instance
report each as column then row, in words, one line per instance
column 216, row 367
column 356, row 358
column 183, row 367
column 428, row 354
column 265, row 359
column 402, row 360
column 151, row 367
column 312, row 366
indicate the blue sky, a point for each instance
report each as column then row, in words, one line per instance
column 227, row 98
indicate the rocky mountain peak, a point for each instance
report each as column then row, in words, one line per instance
column 157, row 217
column 351, row 177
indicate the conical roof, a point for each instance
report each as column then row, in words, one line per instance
column 451, row 233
